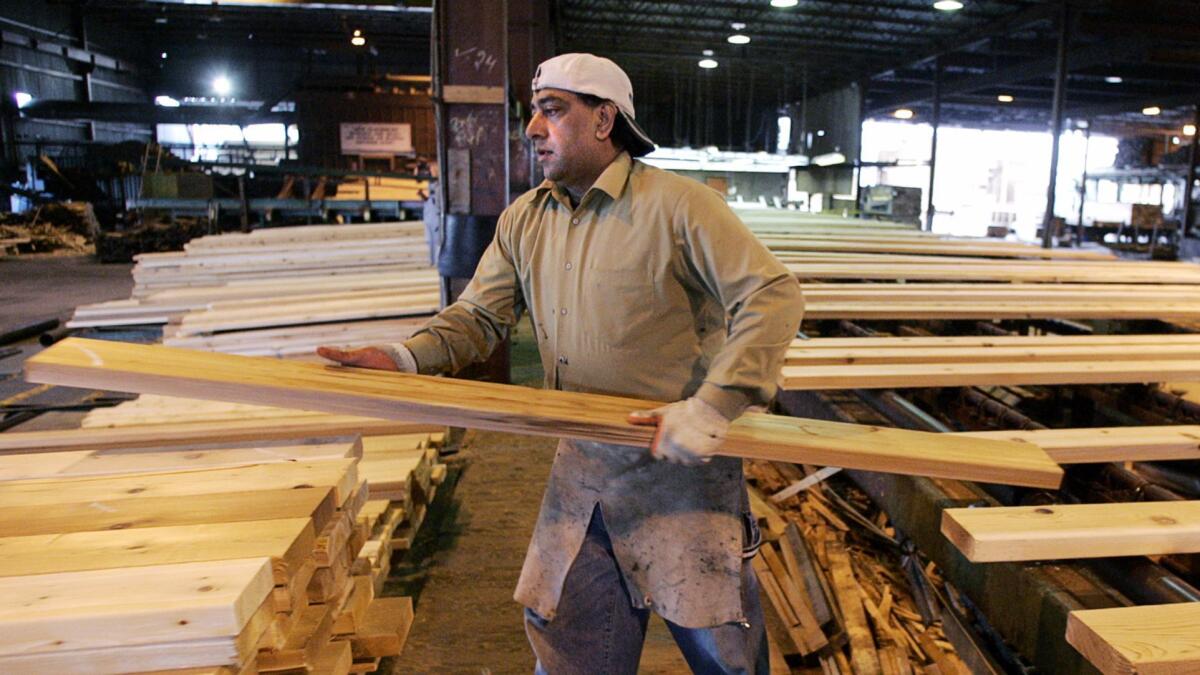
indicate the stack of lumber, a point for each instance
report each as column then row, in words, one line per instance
column 381, row 188
column 418, row 398
column 234, row 558
column 282, row 292
column 1002, row 301
column 835, row 597
column 873, row 363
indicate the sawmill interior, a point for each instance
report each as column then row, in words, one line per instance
column 838, row 337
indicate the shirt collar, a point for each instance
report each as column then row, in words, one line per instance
column 611, row 182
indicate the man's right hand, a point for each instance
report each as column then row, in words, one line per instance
column 372, row 357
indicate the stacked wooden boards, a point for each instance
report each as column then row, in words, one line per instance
column 870, row 363
column 163, row 370
column 216, row 502
column 320, row 278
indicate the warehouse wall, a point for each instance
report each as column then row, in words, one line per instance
column 833, row 123
column 32, row 60
column 318, row 114
column 748, row 186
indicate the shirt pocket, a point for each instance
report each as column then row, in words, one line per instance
column 620, row 305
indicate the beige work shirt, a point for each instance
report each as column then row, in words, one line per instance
column 652, row 288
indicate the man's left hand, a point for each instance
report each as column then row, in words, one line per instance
column 689, row 432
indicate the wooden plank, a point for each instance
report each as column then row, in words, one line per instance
column 905, row 375
column 161, row 435
column 287, row 539
column 861, row 356
column 135, row 460
column 990, row 341
column 118, row 366
column 1061, row 531
column 845, row 589
column 1149, row 640
column 385, row 628
column 341, row 474
column 126, row 606
column 1108, row 444
column 316, row 503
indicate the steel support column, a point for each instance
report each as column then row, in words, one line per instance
column 936, row 121
column 1056, row 114
column 1189, row 188
column 1087, row 146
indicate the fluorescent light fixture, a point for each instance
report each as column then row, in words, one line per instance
column 948, row 5
column 707, row 64
column 737, row 25
column 23, row 99
column 1113, row 79
column 166, row 102
column 1005, row 98
column 1151, row 110
column 829, row 159
column 738, row 39
column 784, row 3
column 162, row 55
column 358, row 39
column 707, row 52
column 1189, row 130
column 221, row 85
column 903, row 114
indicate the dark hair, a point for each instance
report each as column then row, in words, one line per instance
column 621, row 135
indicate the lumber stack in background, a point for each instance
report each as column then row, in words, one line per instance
column 320, row 275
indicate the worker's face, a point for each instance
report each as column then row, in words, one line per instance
column 568, row 135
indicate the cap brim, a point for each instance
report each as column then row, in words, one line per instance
column 641, row 140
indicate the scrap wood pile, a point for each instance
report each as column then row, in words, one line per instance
column 208, row 552
column 282, row 291
column 58, row 226
column 839, row 599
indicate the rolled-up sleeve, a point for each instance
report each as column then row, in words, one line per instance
column 761, row 298
column 469, row 330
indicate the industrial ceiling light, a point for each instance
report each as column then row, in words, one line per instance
column 1113, row 79
column 784, row 3
column 358, row 39
column 737, row 25
column 1151, row 110
column 22, row 99
column 166, row 102
column 903, row 114
column 739, row 39
column 163, row 56
column 707, row 64
column 1189, row 130
column 1005, row 98
column 221, row 85
column 948, row 5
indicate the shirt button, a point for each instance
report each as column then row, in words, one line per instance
column 569, row 266
column 563, row 311
column 562, row 360
column 648, row 601
column 574, row 221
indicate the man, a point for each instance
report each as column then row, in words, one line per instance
column 639, row 283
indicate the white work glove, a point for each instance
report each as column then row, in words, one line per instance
column 395, row 357
column 689, row 432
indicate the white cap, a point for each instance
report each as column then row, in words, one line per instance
column 597, row 76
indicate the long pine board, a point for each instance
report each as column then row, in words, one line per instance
column 1147, row 640
column 908, row 375
column 288, row 540
column 131, row 605
column 1108, row 444
column 227, row 431
column 152, row 369
column 1061, row 531
column 341, row 474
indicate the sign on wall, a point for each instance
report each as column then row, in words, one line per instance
column 375, row 139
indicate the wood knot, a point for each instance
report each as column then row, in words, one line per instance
column 1043, row 509
column 205, row 589
column 1164, row 520
column 134, row 491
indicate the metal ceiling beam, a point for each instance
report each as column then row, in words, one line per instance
column 1083, row 57
column 146, row 113
column 715, row 39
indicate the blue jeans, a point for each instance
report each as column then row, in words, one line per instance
column 598, row 631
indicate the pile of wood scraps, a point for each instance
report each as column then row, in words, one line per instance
column 873, row 363
column 840, row 595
